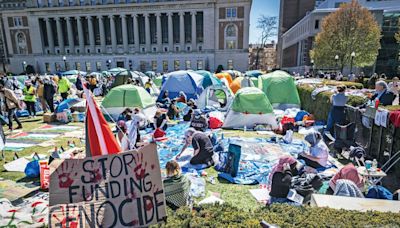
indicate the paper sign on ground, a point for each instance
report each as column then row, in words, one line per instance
column 107, row 191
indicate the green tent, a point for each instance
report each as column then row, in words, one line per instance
column 158, row 81
column 279, row 87
column 252, row 101
column 128, row 96
column 121, row 78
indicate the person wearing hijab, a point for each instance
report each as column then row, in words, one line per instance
column 280, row 180
column 382, row 94
column 348, row 172
column 122, row 137
column 319, row 151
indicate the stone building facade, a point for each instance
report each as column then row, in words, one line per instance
column 94, row 35
column 267, row 60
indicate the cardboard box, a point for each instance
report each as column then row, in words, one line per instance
column 49, row 117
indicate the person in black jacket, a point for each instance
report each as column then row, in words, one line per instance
column 382, row 94
column 281, row 180
column 48, row 92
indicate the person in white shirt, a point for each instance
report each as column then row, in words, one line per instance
column 394, row 87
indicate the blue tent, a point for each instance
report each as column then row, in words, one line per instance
column 209, row 79
column 188, row 82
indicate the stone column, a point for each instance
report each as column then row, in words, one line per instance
column 147, row 32
column 70, row 35
column 159, row 31
column 60, row 36
column 49, row 35
column 136, row 32
column 170, row 32
column 102, row 34
column 194, row 35
column 182, row 30
column 113, row 34
column 80, row 35
column 124, row 34
column 92, row 41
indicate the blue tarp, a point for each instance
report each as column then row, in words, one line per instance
column 68, row 103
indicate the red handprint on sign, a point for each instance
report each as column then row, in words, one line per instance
column 140, row 169
column 72, row 220
column 65, row 175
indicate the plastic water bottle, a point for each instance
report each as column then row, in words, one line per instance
column 374, row 164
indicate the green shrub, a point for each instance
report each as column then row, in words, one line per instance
column 345, row 83
column 279, row 214
column 321, row 106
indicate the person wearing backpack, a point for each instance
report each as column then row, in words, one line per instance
column 11, row 103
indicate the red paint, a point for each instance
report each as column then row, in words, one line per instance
column 65, row 181
column 97, row 177
column 13, row 210
column 152, row 167
column 41, row 220
column 149, row 206
column 140, row 171
column 36, row 203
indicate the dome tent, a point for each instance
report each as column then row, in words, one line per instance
column 280, row 89
column 215, row 96
column 187, row 81
column 241, row 82
column 209, row 78
column 225, row 75
column 249, row 107
column 128, row 96
column 121, row 78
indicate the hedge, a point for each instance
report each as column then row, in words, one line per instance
column 321, row 106
column 282, row 215
column 345, row 83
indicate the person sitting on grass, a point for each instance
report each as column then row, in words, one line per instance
column 280, row 180
column 164, row 101
column 199, row 121
column 348, row 172
column 319, row 151
column 176, row 186
column 202, row 146
column 173, row 111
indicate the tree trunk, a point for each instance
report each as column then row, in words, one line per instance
column 257, row 58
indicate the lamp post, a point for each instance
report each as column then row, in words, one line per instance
column 24, row 67
column 336, row 62
column 65, row 62
column 353, row 54
column 109, row 64
column 312, row 67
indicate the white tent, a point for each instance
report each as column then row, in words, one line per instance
column 219, row 97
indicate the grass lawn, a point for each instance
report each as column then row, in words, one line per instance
column 231, row 193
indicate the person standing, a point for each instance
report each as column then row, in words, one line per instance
column 394, row 87
column 78, row 83
column 49, row 90
column 337, row 113
column 63, row 87
column 11, row 103
column 39, row 93
column 30, row 98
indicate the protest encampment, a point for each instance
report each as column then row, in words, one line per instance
column 192, row 113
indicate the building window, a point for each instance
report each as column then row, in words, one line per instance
column 93, row 2
column 21, row 43
column 82, row 2
column 143, row 66
column 98, row 66
column 165, row 65
column 230, row 64
column 165, row 49
column 47, row 67
column 57, row 66
column 188, row 48
column 176, row 49
column 316, row 26
column 230, row 37
column 154, row 65
column 176, row 65
column 200, row 48
column 188, row 64
column 199, row 64
column 88, row 67
column 154, row 49
column 17, row 21
column 61, row 2
column 71, row 2
column 67, row 66
column 78, row 66
column 231, row 12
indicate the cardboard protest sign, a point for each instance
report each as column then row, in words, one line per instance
column 107, row 191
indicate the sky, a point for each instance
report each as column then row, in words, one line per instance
column 260, row 7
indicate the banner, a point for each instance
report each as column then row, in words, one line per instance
column 116, row 190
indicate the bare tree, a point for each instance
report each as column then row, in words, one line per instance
column 269, row 28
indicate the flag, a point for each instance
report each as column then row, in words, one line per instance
column 99, row 138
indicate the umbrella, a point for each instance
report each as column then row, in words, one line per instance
column 68, row 103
